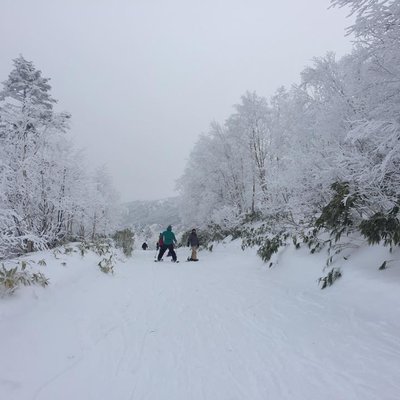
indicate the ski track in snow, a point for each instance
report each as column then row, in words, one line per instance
column 226, row 328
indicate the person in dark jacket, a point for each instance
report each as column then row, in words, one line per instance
column 145, row 246
column 169, row 240
column 159, row 245
column 159, row 242
column 193, row 242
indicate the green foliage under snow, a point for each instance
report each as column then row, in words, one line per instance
column 382, row 228
column 330, row 278
column 12, row 278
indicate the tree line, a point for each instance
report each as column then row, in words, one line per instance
column 46, row 194
column 324, row 153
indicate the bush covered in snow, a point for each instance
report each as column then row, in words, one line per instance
column 11, row 278
column 124, row 240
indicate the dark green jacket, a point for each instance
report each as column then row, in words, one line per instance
column 169, row 237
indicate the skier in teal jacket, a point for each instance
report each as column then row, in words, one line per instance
column 169, row 240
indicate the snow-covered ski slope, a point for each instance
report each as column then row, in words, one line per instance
column 224, row 328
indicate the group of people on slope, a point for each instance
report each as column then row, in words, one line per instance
column 167, row 241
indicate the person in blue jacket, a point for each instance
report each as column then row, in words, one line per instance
column 169, row 240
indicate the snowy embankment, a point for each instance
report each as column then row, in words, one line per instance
column 226, row 327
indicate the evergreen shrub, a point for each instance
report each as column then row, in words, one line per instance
column 382, row 227
column 336, row 216
column 269, row 247
column 12, row 278
column 330, row 278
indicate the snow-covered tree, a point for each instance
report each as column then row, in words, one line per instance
column 104, row 211
column 334, row 138
column 372, row 154
column 44, row 189
column 251, row 127
column 28, row 124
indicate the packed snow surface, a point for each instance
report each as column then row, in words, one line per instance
column 224, row 328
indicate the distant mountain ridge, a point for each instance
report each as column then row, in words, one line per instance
column 142, row 213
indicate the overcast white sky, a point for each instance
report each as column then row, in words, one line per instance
column 143, row 78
